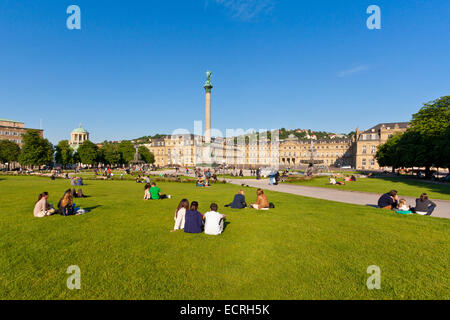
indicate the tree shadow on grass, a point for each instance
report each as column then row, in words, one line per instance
column 438, row 187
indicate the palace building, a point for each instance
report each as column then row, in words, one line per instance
column 13, row 131
column 357, row 152
column 367, row 142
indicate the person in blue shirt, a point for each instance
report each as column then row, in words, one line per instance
column 238, row 201
column 193, row 220
column 389, row 200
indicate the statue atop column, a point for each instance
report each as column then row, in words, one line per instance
column 208, row 85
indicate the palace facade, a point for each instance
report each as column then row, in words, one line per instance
column 357, row 152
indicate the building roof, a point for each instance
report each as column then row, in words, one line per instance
column 8, row 120
column 79, row 130
column 392, row 125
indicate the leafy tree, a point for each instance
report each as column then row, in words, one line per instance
column 127, row 151
column 146, row 155
column 387, row 153
column 88, row 153
column 110, row 153
column 443, row 149
column 9, row 151
column 431, row 122
column 64, row 153
column 36, row 151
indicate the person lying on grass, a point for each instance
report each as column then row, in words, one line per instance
column 193, row 219
column 334, row 182
column 180, row 215
column 214, row 221
column 42, row 208
column 262, row 203
column 156, row 194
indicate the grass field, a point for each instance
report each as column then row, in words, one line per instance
column 404, row 185
column 303, row 249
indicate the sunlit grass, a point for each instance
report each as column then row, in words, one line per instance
column 303, row 249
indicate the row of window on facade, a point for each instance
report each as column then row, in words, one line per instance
column 364, row 162
column 10, row 133
column 18, row 141
column 373, row 149
column 322, row 154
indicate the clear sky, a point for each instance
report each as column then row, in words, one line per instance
column 137, row 67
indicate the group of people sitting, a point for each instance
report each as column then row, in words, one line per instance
column 342, row 183
column 188, row 218
column 262, row 203
column 202, row 182
column 152, row 192
column 66, row 207
column 76, row 181
column 390, row 201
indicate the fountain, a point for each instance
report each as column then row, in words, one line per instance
column 312, row 163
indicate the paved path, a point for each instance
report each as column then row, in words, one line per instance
column 363, row 198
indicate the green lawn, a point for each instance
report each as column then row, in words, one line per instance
column 303, row 249
column 404, row 185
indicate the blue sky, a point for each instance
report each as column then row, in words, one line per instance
column 137, row 67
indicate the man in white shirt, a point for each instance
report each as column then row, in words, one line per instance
column 214, row 221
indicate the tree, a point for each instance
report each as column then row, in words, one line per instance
column 64, row 153
column 9, row 152
column 387, row 155
column 431, row 122
column 127, row 151
column 110, row 153
column 36, row 151
column 146, row 155
column 443, row 149
column 88, row 153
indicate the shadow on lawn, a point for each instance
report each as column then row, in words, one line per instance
column 225, row 225
column 92, row 208
column 438, row 187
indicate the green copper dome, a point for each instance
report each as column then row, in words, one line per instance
column 79, row 130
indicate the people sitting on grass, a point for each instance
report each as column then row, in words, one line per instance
column 238, row 201
column 78, row 194
column 353, row 178
column 262, row 203
column 424, row 206
column 389, row 201
column 147, row 195
column 214, row 221
column 42, row 208
column 155, row 193
column 403, row 207
column 180, row 215
column 193, row 219
column 202, row 182
column 66, row 206
column 76, row 181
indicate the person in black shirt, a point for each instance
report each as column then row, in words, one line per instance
column 389, row 200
